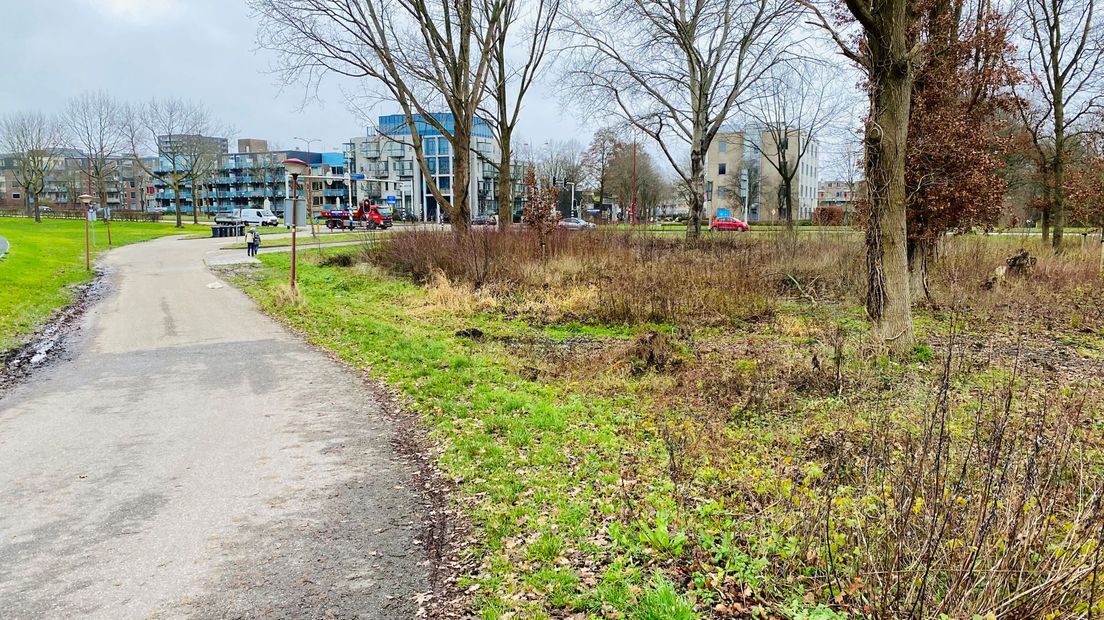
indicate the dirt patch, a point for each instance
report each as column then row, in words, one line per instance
column 49, row 343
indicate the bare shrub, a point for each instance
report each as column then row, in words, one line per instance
column 985, row 505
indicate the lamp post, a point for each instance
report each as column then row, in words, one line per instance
column 86, row 200
column 308, row 141
column 294, row 167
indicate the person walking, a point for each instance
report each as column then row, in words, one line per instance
column 252, row 241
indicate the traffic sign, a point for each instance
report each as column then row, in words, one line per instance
column 391, row 200
column 357, row 177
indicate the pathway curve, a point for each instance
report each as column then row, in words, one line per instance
column 192, row 459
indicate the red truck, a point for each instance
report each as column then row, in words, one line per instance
column 367, row 215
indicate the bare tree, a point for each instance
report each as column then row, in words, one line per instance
column 179, row 133
column 794, row 105
column 95, row 125
column 509, row 82
column 639, row 177
column 33, row 139
column 596, row 161
column 887, row 53
column 1063, row 54
column 202, row 156
column 675, row 69
column 421, row 53
column 560, row 159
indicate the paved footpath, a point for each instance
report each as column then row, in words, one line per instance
column 191, row 459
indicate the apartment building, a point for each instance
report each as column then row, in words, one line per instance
column 254, row 177
column 837, row 194
column 741, row 180
column 178, row 143
column 385, row 167
column 126, row 185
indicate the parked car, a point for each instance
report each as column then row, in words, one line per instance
column 258, row 217
column 575, row 223
column 157, row 210
column 484, row 220
column 728, row 223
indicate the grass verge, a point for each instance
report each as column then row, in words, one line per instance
column 45, row 260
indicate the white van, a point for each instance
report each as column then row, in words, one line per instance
column 258, row 217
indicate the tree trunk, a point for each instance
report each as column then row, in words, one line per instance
column 697, row 189
column 106, row 211
column 1044, row 221
column 195, row 203
column 602, row 194
column 176, row 207
column 505, row 184
column 34, row 205
column 460, row 214
column 920, row 253
column 1058, row 217
column 785, row 196
column 888, row 301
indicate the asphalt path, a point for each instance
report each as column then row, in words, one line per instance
column 192, row 459
column 3, row 246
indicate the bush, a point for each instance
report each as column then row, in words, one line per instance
column 828, row 216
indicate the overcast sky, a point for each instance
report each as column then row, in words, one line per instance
column 203, row 50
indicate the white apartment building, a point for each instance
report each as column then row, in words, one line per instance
column 385, row 168
column 741, row 180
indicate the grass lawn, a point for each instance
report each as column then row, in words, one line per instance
column 631, row 468
column 46, row 259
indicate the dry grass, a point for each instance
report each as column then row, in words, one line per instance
column 286, row 297
column 619, row 278
column 625, row 279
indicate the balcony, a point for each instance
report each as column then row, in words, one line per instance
column 404, row 168
column 370, row 150
column 395, row 149
column 377, row 169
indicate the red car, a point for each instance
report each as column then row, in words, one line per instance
column 728, row 223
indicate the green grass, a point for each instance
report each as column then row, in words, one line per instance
column 45, row 260
column 542, row 460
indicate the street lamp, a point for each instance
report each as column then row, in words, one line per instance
column 294, row 167
column 86, row 200
column 307, row 141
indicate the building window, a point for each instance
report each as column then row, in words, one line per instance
column 15, row 196
column 721, row 168
column 723, row 146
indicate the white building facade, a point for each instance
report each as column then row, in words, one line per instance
column 385, row 168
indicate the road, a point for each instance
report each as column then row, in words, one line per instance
column 191, row 459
